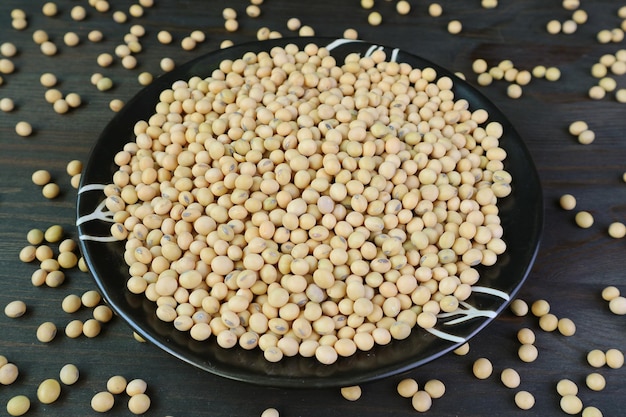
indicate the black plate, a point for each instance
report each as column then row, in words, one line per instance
column 521, row 214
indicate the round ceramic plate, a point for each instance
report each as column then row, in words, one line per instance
column 521, row 214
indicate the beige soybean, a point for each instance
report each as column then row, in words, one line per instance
column 617, row 230
column 618, row 305
column 462, row 350
column 455, row 27
column 614, row 358
column 74, row 329
column 553, row 27
column 28, row 253
column 104, row 84
column 103, row 313
column 19, row 23
column 435, row 388
column 67, row 260
column 71, row 303
column 164, row 37
column 139, row 404
column 595, row 381
column 90, row 298
column 548, row 322
column 54, row 277
column 6, row 104
column 591, row 411
column 524, row 400
column 116, row 105
column 351, row 393
column 102, row 401
column 510, row 378
column 6, row 66
column 584, row 219
column 586, row 137
column 526, row 336
column 566, row 327
column 407, row 387
column 528, row 352
column 566, row 387
column 95, row 36
column 482, row 368
column 421, row 401
column 35, row 236
column 596, row 358
column 514, row 91
column 270, row 412
column 540, row 308
column 519, row 307
column 374, row 19
column 8, row 373
column 571, row 404
column 46, row 332
column 136, row 386
column 18, row 405
column 23, row 129
column 69, row 374
column 51, row 190
column 15, row 309
column 435, row 10
column 116, row 384
column 567, row 202
column 403, row 7
column 92, row 328
column 8, row 49
column 48, row 391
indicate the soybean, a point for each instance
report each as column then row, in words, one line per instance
column 510, row 378
column 618, row 305
column 614, row 358
column 435, row 388
column 567, row 202
column 18, row 405
column 528, row 352
column 102, row 401
column 524, row 400
column 23, row 129
column 15, row 309
column 519, row 307
column 136, row 386
column 46, row 332
column 571, row 404
column 596, row 358
column 270, row 412
column 617, row 230
column 421, row 401
column 8, row 373
column 117, row 384
column 595, row 381
column 139, row 404
column 351, row 393
column 482, row 368
column 48, row 391
column 566, row 387
column 407, row 387
column 69, row 374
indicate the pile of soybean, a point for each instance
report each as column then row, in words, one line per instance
column 307, row 206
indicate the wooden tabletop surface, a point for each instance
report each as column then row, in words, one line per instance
column 572, row 268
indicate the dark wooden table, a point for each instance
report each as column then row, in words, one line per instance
column 572, row 268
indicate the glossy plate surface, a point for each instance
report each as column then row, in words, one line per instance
column 521, row 214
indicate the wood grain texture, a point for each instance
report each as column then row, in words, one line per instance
column 572, row 268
